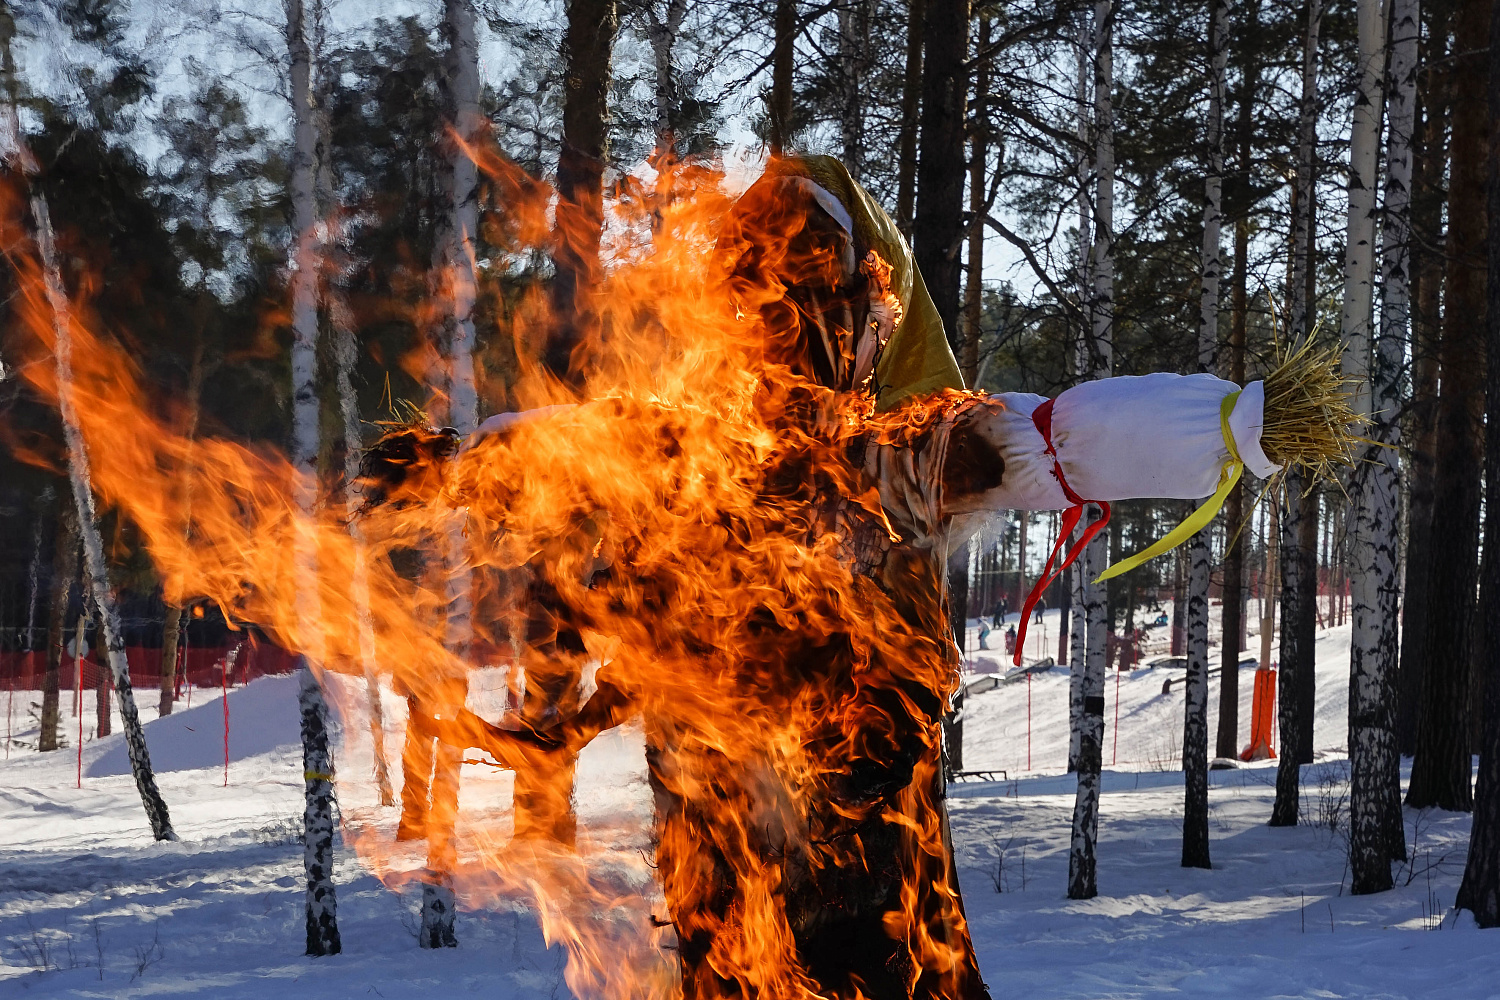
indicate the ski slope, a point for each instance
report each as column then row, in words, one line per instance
column 91, row 907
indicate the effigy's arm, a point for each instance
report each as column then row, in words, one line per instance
column 1165, row 436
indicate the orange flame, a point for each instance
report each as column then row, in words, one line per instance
column 712, row 505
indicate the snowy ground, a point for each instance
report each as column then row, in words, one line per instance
column 91, row 907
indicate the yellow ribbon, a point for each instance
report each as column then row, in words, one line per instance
column 1200, row 518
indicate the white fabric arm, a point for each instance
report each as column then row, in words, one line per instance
column 1120, row 438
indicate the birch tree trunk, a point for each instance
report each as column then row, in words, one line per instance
column 979, row 151
column 462, row 79
column 662, row 32
column 1479, row 893
column 854, row 49
column 1078, row 653
column 1376, row 833
column 1082, row 860
column 112, row 639
column 1195, row 853
column 317, row 761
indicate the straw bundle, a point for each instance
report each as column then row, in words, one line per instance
column 1308, row 418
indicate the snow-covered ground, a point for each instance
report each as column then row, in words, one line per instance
column 91, row 907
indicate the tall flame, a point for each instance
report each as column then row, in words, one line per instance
column 710, row 503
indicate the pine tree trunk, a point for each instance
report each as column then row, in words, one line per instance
column 1428, row 196
column 171, row 642
column 1082, row 854
column 938, row 228
column 317, row 762
column 64, row 572
column 1442, row 766
column 911, row 107
column 1226, row 743
column 1195, row 853
column 588, row 44
column 783, row 56
column 101, row 701
column 1479, row 893
column 1295, row 659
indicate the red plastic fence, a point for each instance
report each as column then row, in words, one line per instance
column 201, row 665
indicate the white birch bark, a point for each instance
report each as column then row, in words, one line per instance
column 461, row 71
column 854, row 33
column 1078, row 637
column 317, row 761
column 1195, row 849
column 18, row 157
column 662, row 30
column 1082, row 862
column 345, row 355
column 1375, row 812
column 88, row 530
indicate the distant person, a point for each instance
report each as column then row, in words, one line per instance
column 1010, row 641
column 984, row 634
column 1041, row 605
column 1001, row 609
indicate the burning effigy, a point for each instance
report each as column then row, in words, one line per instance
column 753, row 493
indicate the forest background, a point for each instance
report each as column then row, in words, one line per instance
column 1055, row 165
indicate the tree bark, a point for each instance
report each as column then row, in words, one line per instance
column 783, row 55
column 938, row 226
column 854, row 49
column 1442, row 766
column 317, row 763
column 1078, row 654
column 1479, row 893
column 588, row 44
column 911, row 106
column 64, row 572
column 1428, row 196
column 979, row 151
column 172, row 626
column 1296, row 655
column 1195, row 852
column 1373, row 809
column 112, row 640
column 1226, row 743
column 662, row 32
column 1082, row 853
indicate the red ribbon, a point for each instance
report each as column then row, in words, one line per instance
column 1042, row 417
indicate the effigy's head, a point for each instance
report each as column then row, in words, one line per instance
column 804, row 234
column 408, row 464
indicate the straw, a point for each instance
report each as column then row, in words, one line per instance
column 1308, row 418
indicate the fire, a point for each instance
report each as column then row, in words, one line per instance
column 718, row 499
